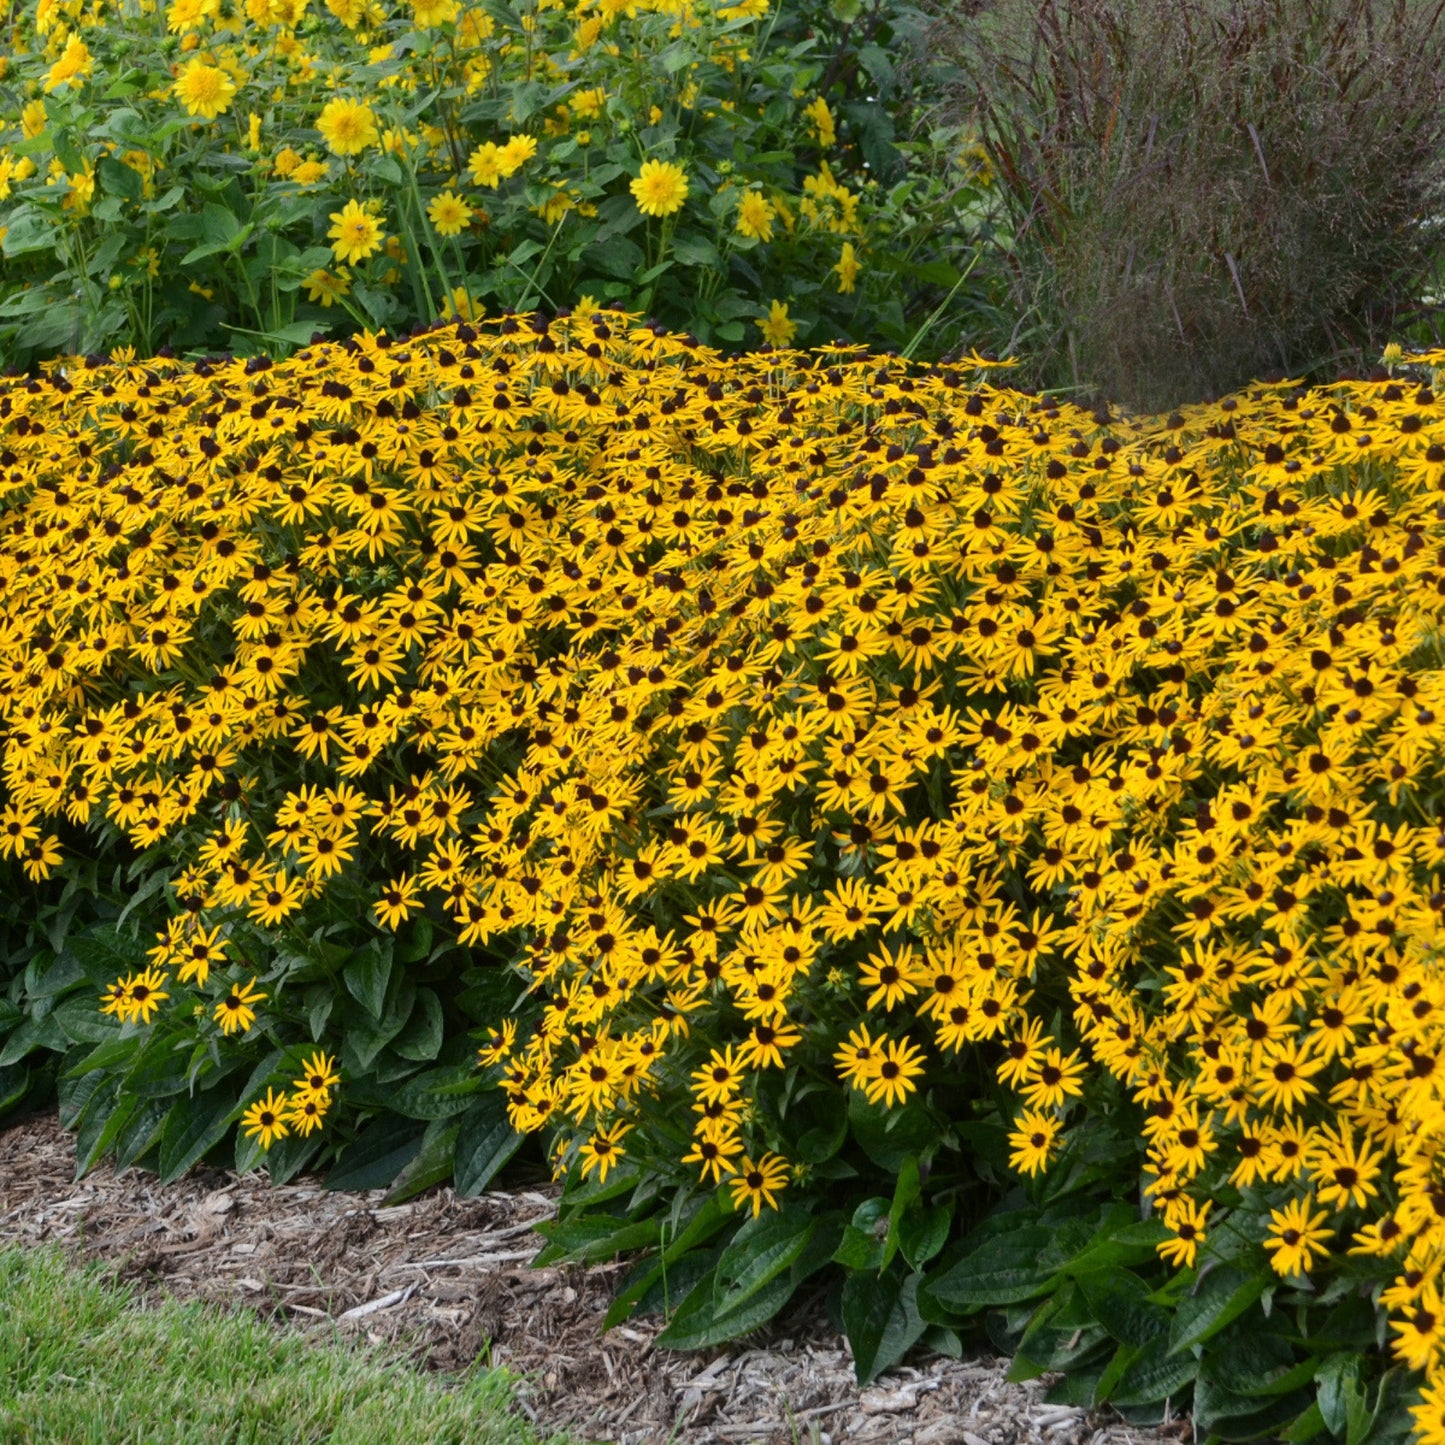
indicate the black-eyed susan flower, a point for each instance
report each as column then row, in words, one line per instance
column 1032, row 1141
column 265, row 1120
column 235, row 1011
column 318, row 1075
column 754, row 1185
column 1297, row 1236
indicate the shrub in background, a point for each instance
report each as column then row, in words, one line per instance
column 206, row 174
column 1203, row 192
column 921, row 816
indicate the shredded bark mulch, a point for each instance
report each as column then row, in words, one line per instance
column 449, row 1280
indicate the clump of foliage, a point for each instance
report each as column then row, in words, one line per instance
column 910, row 815
column 209, row 174
column 1202, row 192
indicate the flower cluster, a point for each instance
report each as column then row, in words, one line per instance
column 808, row 722
column 276, row 1115
column 465, row 156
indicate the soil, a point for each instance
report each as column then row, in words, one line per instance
column 449, row 1280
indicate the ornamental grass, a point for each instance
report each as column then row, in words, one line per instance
column 846, row 754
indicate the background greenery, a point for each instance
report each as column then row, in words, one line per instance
column 131, row 221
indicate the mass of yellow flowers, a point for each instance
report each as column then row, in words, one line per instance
column 808, row 711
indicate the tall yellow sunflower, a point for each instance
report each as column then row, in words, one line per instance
column 355, row 233
column 660, row 188
column 347, row 126
column 204, row 90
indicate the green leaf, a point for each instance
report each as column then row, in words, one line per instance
column 596, row 1237
column 82, row 1022
column 64, row 973
column 620, row 257
column 696, row 1325
column 485, row 1142
column 421, row 1039
column 694, row 251
column 1255, row 1362
column 819, row 1144
column 861, row 1247
column 65, row 151
column 105, row 954
column 433, row 1162
column 1001, row 1271
column 288, row 1157
column 140, row 1133
column 193, row 1127
column 1219, row 1298
column 430, row 1095
column 367, row 977
column 760, row 1251
column 889, row 1136
column 1152, row 1377
column 923, row 1231
column 377, row 1155
column 881, row 1320
column 1119, row 1300
column 14, row 1085
column 119, row 179
column 905, row 1192
column 1309, row 1426
column 33, row 1034
column 112, row 1112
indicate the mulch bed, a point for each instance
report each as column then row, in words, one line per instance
column 449, row 1280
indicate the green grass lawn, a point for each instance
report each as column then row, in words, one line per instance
column 83, row 1363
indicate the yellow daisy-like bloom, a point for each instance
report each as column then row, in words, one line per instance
column 427, row 13
column 326, row 288
column 204, row 90
column 1296, row 1236
column 398, row 902
column 266, row 1119
column 1187, row 1218
column 755, row 216
column 1032, row 1140
column 449, row 214
column 822, row 121
column 236, row 1012
column 602, row 1150
column 660, row 188
column 461, row 304
column 309, row 173
column 517, row 152
column 355, row 233
column 891, row 1076
column 758, row 1184
column 75, row 64
column 486, row 166
column 778, row 327
column 347, row 126
column 847, row 269
column 307, row 1112
column 318, row 1075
